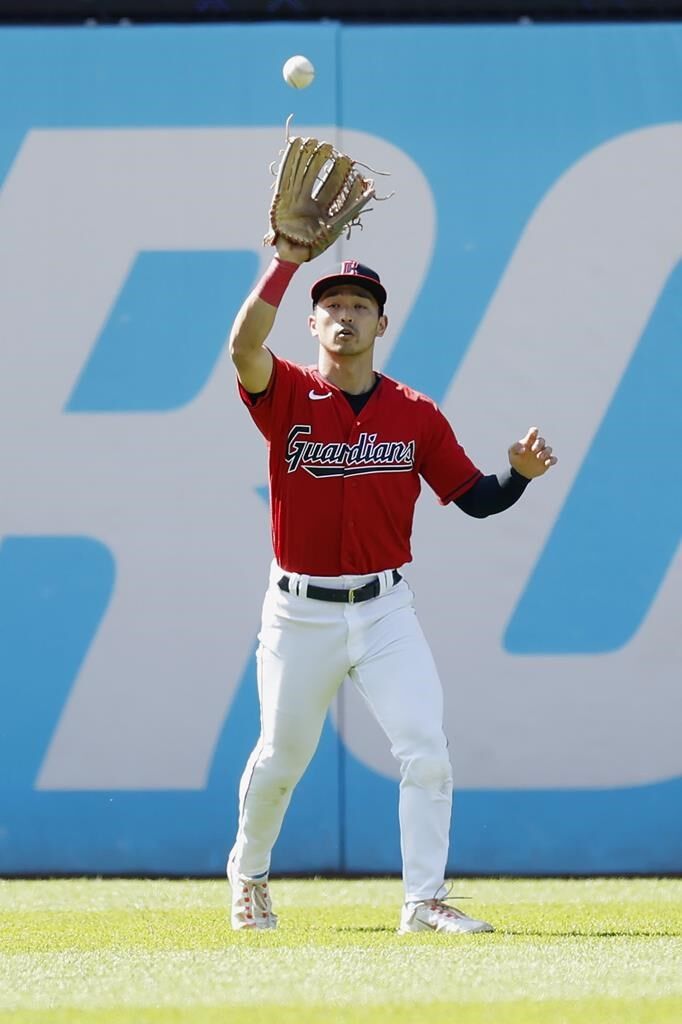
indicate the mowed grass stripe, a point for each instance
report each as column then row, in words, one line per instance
column 419, row 971
column 598, row 1011
column 182, row 894
column 323, row 926
column 123, row 951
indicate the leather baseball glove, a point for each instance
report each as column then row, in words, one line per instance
column 319, row 193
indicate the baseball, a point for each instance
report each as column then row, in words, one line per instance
column 298, row 72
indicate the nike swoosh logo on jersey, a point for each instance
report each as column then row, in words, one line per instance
column 317, row 397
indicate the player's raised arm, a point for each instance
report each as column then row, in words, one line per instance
column 255, row 319
column 318, row 194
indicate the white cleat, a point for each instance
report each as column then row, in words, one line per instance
column 251, row 903
column 437, row 916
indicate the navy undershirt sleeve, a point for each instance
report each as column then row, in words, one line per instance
column 255, row 395
column 492, row 494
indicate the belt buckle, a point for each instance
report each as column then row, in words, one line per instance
column 351, row 595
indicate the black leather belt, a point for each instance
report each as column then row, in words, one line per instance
column 363, row 593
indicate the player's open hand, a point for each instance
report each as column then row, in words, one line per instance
column 531, row 456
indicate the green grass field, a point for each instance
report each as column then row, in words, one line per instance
column 598, row 951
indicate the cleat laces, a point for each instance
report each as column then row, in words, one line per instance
column 254, row 905
column 442, row 905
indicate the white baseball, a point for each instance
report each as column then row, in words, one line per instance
column 298, row 72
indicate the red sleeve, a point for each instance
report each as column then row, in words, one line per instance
column 445, row 466
column 266, row 407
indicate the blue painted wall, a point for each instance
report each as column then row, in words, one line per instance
column 499, row 123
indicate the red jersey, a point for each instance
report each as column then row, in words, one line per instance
column 343, row 486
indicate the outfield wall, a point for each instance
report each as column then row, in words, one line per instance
column 532, row 258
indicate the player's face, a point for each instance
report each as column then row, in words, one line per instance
column 346, row 320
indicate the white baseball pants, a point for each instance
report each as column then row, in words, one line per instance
column 307, row 648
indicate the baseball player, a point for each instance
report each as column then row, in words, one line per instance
column 347, row 449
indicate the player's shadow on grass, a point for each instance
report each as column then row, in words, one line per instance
column 364, row 928
column 532, row 933
column 588, row 933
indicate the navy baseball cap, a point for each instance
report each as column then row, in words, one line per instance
column 351, row 272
